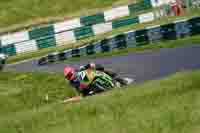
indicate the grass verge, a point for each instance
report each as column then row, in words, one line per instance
column 16, row 14
column 160, row 106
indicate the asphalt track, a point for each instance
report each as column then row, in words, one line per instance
column 144, row 66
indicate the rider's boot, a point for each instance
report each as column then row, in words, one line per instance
column 122, row 81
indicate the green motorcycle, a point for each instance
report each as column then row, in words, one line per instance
column 98, row 81
column 102, row 82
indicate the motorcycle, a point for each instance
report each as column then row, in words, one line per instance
column 101, row 81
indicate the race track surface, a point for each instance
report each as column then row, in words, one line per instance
column 141, row 66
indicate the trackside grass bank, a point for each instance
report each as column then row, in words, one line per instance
column 21, row 91
column 15, row 14
column 160, row 106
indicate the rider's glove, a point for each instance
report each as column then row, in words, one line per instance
column 81, row 67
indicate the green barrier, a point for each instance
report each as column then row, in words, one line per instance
column 137, row 7
column 194, row 26
column 82, row 51
column 148, row 3
column 94, row 19
column 120, row 41
column 2, row 62
column 83, row 32
column 154, row 34
column 182, row 29
column 46, row 42
column 141, row 37
column 1, row 49
column 130, row 39
column 41, row 32
column 90, row 49
column 9, row 50
column 168, row 31
column 76, row 53
column 137, row 38
column 105, row 46
column 125, row 22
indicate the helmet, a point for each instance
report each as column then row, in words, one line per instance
column 92, row 65
column 69, row 73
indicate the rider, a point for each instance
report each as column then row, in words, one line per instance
column 83, row 89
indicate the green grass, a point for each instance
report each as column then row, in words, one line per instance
column 162, row 106
column 21, row 91
column 21, row 13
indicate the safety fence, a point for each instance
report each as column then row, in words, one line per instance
column 71, row 31
column 45, row 37
column 134, row 38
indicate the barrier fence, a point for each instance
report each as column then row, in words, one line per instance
column 134, row 38
column 73, row 30
column 46, row 37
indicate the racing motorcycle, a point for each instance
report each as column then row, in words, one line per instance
column 101, row 81
column 98, row 81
